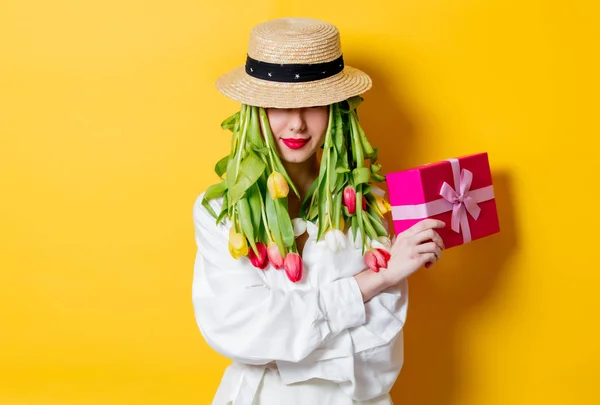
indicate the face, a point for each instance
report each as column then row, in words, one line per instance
column 298, row 132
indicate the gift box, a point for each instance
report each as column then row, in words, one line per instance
column 457, row 191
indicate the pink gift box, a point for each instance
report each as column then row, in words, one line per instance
column 457, row 191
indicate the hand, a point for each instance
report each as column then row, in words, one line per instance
column 417, row 246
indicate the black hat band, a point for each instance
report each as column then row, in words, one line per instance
column 293, row 72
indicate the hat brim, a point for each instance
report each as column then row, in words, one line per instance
column 240, row 86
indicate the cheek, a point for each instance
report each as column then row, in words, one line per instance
column 277, row 123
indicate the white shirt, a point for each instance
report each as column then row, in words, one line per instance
column 318, row 328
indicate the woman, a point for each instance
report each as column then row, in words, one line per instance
column 317, row 316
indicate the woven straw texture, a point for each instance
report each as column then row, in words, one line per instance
column 293, row 40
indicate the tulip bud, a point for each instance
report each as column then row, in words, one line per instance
column 299, row 226
column 336, row 240
column 293, row 267
column 277, row 185
column 382, row 205
column 275, row 255
column 238, row 246
column 261, row 260
column 376, row 259
column 349, row 199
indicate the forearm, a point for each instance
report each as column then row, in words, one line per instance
column 371, row 283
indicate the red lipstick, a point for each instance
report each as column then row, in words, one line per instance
column 294, row 143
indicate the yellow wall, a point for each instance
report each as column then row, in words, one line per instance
column 109, row 125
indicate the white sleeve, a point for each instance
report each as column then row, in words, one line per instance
column 245, row 320
column 366, row 359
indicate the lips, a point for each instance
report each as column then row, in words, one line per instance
column 295, row 143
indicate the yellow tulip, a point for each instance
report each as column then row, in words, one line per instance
column 382, row 205
column 342, row 223
column 238, row 246
column 277, row 185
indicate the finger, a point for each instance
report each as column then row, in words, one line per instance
column 423, row 225
column 430, row 247
column 428, row 258
column 423, row 236
column 438, row 240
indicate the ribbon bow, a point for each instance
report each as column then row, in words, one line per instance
column 462, row 201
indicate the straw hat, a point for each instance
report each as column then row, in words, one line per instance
column 293, row 63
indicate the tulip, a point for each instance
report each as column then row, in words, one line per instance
column 349, row 199
column 299, row 226
column 293, row 267
column 376, row 259
column 238, row 246
column 261, row 260
column 275, row 255
column 382, row 205
column 336, row 240
column 277, row 185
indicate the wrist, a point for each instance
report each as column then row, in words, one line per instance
column 371, row 283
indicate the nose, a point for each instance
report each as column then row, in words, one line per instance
column 296, row 121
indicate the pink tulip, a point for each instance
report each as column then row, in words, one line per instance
column 377, row 259
column 349, row 199
column 293, row 267
column 275, row 255
column 261, row 260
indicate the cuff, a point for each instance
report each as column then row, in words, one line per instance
column 343, row 305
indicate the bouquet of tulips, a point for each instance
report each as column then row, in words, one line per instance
column 256, row 186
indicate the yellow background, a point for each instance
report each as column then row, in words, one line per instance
column 109, row 125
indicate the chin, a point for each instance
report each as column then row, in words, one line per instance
column 296, row 157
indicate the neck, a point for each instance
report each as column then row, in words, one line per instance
column 302, row 174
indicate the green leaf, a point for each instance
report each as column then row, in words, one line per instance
column 285, row 223
column 305, row 207
column 230, row 176
column 351, row 104
column 216, row 190
column 251, row 169
column 221, row 166
column 376, row 222
column 341, row 183
column 354, row 226
column 255, row 136
column 361, row 175
column 230, row 122
column 359, row 211
column 255, row 206
column 377, row 178
column 224, row 210
column 341, row 170
column 208, row 207
column 273, row 221
column 337, row 207
column 322, row 204
column 366, row 220
column 368, row 149
column 246, row 222
column 338, row 129
column 333, row 174
column 357, row 150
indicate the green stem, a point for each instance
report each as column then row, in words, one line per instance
column 243, row 140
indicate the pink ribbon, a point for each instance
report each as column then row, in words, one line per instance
column 459, row 202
